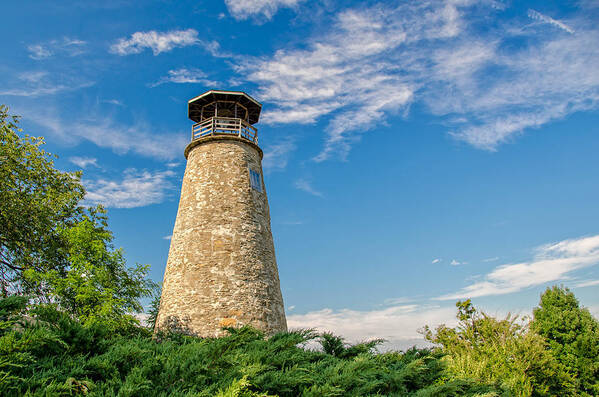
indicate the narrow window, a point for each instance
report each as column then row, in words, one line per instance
column 255, row 180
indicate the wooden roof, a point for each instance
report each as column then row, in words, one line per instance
column 195, row 104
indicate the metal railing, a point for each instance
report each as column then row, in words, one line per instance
column 224, row 126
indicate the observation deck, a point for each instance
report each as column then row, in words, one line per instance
column 224, row 113
column 224, row 126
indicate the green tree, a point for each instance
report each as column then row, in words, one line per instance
column 51, row 247
column 506, row 352
column 573, row 336
column 154, row 307
column 37, row 202
column 97, row 285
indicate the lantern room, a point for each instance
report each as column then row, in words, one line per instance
column 224, row 113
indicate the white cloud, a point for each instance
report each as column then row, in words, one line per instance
column 33, row 76
column 551, row 262
column 136, row 189
column 493, row 259
column 437, row 260
column 83, row 162
column 139, row 138
column 304, row 185
column 544, row 18
column 157, row 41
column 375, row 61
column 168, row 237
column 184, row 75
column 38, row 51
column 292, row 223
column 276, row 155
column 587, row 283
column 398, row 301
column 115, row 102
column 454, row 262
column 341, row 73
column 38, row 83
column 66, row 45
column 508, row 91
column 399, row 324
column 244, row 9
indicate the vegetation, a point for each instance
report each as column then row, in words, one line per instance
column 51, row 353
column 503, row 351
column 37, row 202
column 67, row 327
column 54, row 250
column 572, row 335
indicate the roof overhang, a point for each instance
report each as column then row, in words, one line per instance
column 196, row 104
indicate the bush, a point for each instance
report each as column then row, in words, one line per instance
column 504, row 352
column 53, row 353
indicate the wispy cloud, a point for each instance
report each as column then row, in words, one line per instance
column 341, row 73
column 39, row 83
column 586, row 283
column 437, row 260
column 105, row 132
column 493, row 259
column 306, row 186
column 136, row 189
column 544, row 18
column 398, row 324
column 38, row 51
column 398, row 301
column 550, row 263
column 158, row 42
column 292, row 223
column 83, row 162
column 184, row 75
column 115, row 102
column 276, row 155
column 375, row 61
column 455, row 263
column 67, row 46
column 244, row 9
column 170, row 236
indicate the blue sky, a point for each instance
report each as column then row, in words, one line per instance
column 416, row 153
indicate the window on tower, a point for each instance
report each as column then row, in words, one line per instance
column 255, row 180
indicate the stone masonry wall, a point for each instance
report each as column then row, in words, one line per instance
column 221, row 268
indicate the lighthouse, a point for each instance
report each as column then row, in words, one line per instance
column 221, row 269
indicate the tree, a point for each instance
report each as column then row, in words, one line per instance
column 504, row 351
column 37, row 202
column 154, row 307
column 97, row 286
column 51, row 247
column 573, row 336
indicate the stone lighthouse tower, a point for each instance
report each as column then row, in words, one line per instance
column 221, row 269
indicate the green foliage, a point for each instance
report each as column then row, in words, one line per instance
column 573, row 336
column 505, row 352
column 54, row 250
column 53, row 353
column 98, row 287
column 154, row 308
column 336, row 346
column 36, row 203
column 240, row 388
